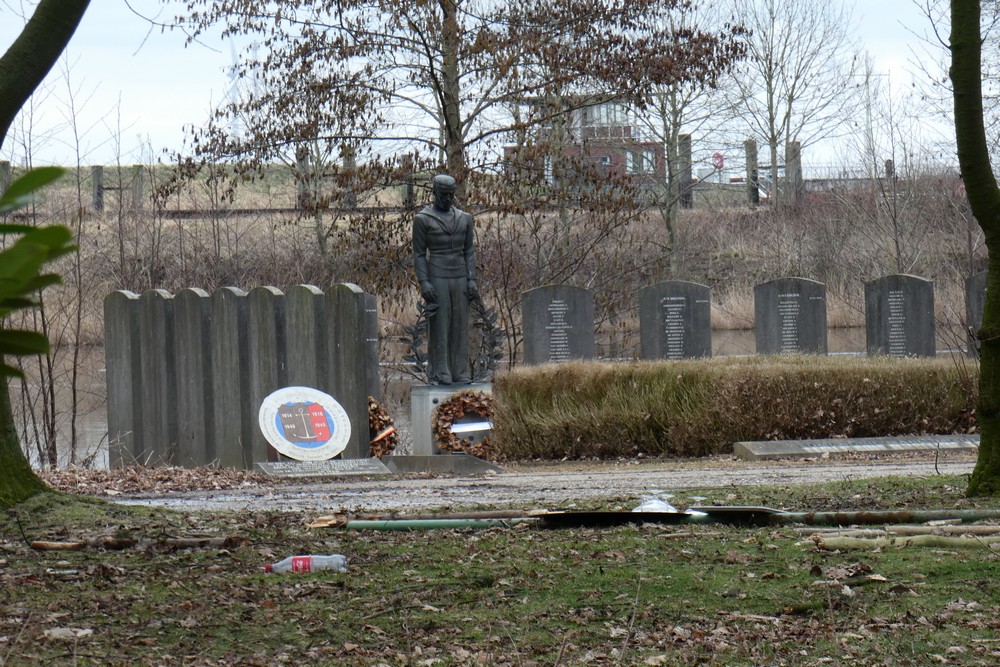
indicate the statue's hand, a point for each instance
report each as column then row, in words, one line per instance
column 428, row 293
column 471, row 290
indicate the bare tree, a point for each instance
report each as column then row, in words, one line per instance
column 442, row 76
column 797, row 81
column 22, row 68
column 692, row 107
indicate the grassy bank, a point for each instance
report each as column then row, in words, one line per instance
column 649, row 595
column 698, row 408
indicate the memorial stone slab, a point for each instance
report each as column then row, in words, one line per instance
column 158, row 383
column 234, row 415
column 899, row 316
column 790, row 316
column 675, row 321
column 121, row 349
column 266, row 338
column 975, row 301
column 192, row 351
column 305, row 337
column 353, row 359
column 557, row 324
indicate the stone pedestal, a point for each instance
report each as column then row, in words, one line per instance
column 424, row 398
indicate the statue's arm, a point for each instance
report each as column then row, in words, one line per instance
column 420, row 249
column 470, row 251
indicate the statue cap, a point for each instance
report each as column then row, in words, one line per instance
column 443, row 181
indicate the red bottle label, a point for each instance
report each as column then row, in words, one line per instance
column 301, row 563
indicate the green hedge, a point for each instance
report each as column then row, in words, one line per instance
column 701, row 407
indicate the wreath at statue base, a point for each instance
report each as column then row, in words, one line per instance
column 463, row 404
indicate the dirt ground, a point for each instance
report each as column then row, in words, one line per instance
column 543, row 485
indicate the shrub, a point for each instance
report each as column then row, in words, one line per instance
column 701, row 407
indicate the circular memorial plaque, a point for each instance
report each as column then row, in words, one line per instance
column 304, row 423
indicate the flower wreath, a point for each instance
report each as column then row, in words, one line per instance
column 447, row 413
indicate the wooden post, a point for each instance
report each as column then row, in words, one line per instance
column 138, row 201
column 684, row 152
column 97, row 183
column 350, row 167
column 753, row 178
column 793, row 172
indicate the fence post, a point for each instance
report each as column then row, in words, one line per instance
column 138, row 187
column 97, row 184
column 753, row 176
column 302, row 198
column 684, row 152
column 793, row 171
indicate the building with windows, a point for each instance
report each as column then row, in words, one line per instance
column 603, row 137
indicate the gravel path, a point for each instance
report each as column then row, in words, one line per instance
column 545, row 486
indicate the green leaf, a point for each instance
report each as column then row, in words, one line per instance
column 7, row 370
column 20, row 192
column 19, row 265
column 15, row 229
column 17, row 342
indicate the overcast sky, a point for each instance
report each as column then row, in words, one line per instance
column 135, row 88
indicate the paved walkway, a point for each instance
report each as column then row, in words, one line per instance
column 545, row 486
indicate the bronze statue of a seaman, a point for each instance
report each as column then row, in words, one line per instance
column 445, row 264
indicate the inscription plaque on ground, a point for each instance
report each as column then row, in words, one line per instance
column 790, row 316
column 558, row 324
column 329, row 468
column 675, row 321
column 899, row 316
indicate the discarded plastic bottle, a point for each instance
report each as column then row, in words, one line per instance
column 334, row 562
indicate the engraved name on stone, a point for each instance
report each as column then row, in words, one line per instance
column 559, row 331
column 674, row 311
column 788, row 313
column 897, row 324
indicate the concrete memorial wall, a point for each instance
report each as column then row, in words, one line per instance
column 186, row 374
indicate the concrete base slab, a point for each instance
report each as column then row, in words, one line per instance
column 775, row 449
column 455, row 464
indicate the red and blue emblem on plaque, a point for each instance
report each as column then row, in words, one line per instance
column 304, row 423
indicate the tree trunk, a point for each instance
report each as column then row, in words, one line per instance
column 33, row 54
column 454, row 139
column 984, row 200
column 18, row 481
column 22, row 68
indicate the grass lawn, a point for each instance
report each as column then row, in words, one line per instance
column 651, row 595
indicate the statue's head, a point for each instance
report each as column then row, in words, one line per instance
column 443, row 188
